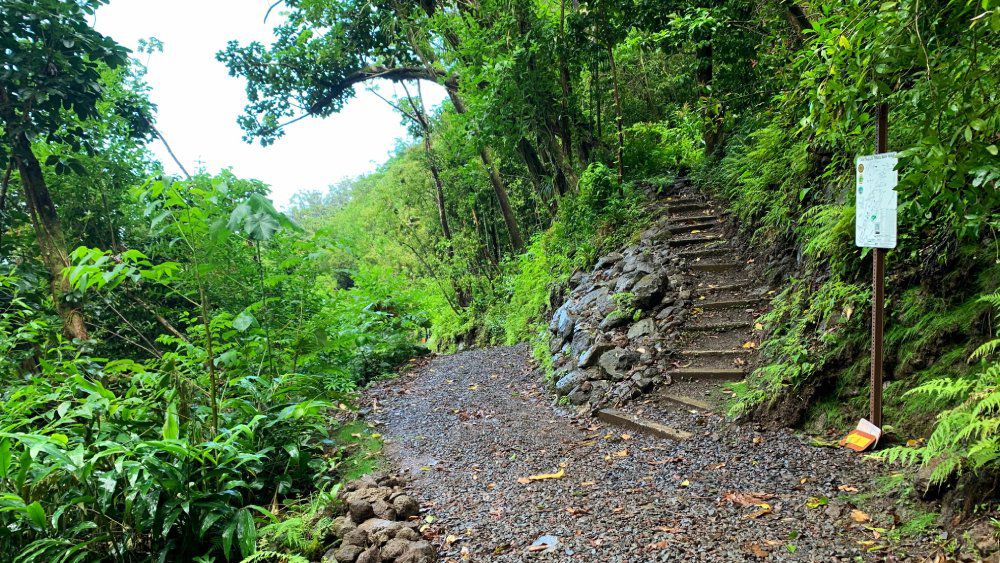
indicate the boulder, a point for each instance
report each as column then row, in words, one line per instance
column 384, row 510
column 375, row 526
column 406, row 506
column 342, row 526
column 356, row 537
column 408, row 534
column 567, row 382
column 371, row 555
column 418, row 552
column 346, row 553
column 607, row 260
column 613, row 321
column 582, row 339
column 648, row 290
column 360, row 510
column 644, row 327
column 617, row 361
column 578, row 395
column 394, row 548
column 590, row 355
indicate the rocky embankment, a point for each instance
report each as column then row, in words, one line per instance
column 381, row 524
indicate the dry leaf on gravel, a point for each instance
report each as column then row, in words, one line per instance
column 847, row 489
column 763, row 509
column 816, row 502
column 573, row 511
column 756, row 550
column 745, row 499
column 859, row 516
column 662, row 544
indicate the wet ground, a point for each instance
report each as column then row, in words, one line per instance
column 473, row 427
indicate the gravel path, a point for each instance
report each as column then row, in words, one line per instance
column 468, row 426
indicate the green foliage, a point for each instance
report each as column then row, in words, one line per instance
column 965, row 437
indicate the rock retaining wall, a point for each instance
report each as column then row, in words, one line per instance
column 615, row 335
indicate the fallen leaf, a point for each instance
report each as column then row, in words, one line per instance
column 816, row 502
column 847, row 489
column 758, row 326
column 764, row 509
column 685, row 483
column 662, row 544
column 749, row 345
column 745, row 499
column 716, row 466
column 523, row 480
column 541, row 476
column 588, row 483
column 758, row 439
column 452, row 538
column 803, row 480
column 577, row 511
column 859, row 516
column 626, row 436
column 756, row 550
column 473, row 387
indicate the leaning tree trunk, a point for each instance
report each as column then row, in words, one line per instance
column 48, row 230
column 498, row 186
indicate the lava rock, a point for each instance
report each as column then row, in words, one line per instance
column 590, row 355
column 648, row 290
column 644, row 327
column 406, row 506
column 569, row 381
column 360, row 510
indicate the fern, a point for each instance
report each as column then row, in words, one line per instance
column 966, row 436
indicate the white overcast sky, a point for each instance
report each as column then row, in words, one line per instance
column 198, row 101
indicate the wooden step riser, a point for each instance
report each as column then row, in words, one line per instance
column 692, row 241
column 703, row 253
column 723, row 267
column 638, row 424
column 685, row 402
column 723, row 305
column 714, row 353
column 701, row 226
column 709, row 375
column 718, row 327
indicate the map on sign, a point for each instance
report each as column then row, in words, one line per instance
column 875, row 202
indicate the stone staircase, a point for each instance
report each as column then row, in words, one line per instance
column 718, row 338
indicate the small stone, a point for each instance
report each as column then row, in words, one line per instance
column 648, row 290
column 607, row 260
column 360, row 510
column 567, row 382
column 613, row 321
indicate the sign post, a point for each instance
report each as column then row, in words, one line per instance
column 875, row 228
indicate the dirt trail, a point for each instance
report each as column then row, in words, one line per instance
column 468, row 426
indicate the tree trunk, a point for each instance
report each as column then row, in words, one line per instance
column 536, row 171
column 712, row 133
column 48, row 230
column 439, row 192
column 498, row 185
column 797, row 20
column 618, row 114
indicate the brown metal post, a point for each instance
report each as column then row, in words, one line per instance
column 878, row 290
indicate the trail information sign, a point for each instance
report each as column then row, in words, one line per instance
column 876, row 200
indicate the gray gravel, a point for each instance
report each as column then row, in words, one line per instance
column 467, row 426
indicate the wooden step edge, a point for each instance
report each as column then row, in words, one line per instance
column 713, row 374
column 693, row 206
column 728, row 287
column 701, row 253
column 720, row 267
column 679, row 229
column 710, row 353
column 693, row 240
column 685, row 401
column 723, row 304
column 719, row 326
column 640, row 424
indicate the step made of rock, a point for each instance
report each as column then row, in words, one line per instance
column 702, row 374
column 700, row 218
column 733, row 353
column 640, row 424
